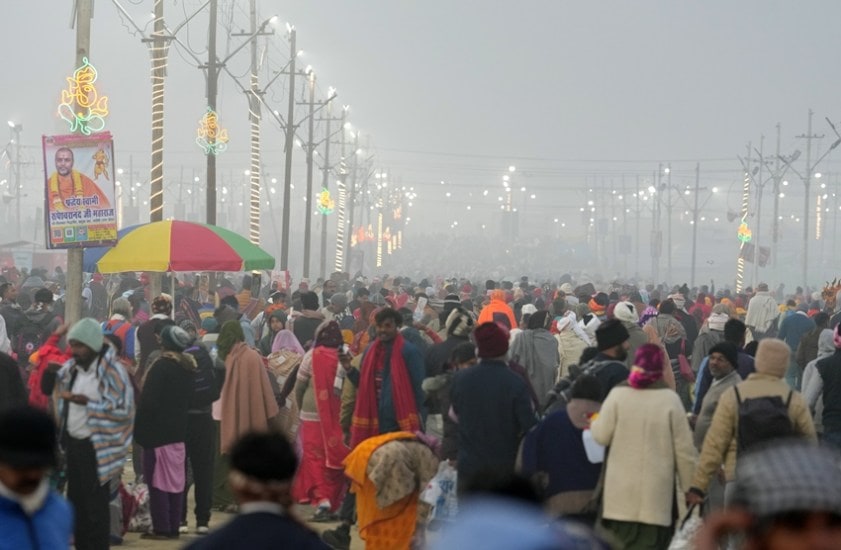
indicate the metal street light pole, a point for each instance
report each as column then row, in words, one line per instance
column 309, row 201
column 212, row 81
column 325, row 183
column 695, row 224
column 287, row 171
column 16, row 130
column 807, row 182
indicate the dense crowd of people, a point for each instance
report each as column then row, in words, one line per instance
column 431, row 413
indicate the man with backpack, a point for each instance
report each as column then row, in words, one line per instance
column 119, row 324
column 38, row 323
column 608, row 366
column 760, row 409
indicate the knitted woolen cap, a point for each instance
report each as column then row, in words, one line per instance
column 175, row 338
column 88, row 332
column 790, row 476
column 611, row 333
column 491, row 340
column 459, row 322
column 729, row 351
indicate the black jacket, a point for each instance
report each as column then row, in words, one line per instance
column 162, row 410
column 207, row 387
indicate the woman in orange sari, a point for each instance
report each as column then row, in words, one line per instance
column 320, row 479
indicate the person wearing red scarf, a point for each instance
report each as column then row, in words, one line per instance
column 389, row 398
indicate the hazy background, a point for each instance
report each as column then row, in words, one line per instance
column 577, row 95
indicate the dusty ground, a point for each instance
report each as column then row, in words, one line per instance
column 217, row 519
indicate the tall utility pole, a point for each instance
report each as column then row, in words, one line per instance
column 287, row 171
column 310, row 151
column 212, row 81
column 325, row 184
column 776, row 223
column 341, row 219
column 637, row 243
column 159, row 55
column 760, row 186
column 73, row 307
column 351, row 201
column 669, row 205
column 807, row 182
column 740, row 260
column 656, row 235
column 695, row 225
column 16, row 129
column 255, row 117
column 156, row 196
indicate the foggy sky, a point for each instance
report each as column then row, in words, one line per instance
column 457, row 91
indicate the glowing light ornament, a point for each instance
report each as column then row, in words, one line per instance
column 744, row 235
column 211, row 137
column 326, row 204
column 81, row 105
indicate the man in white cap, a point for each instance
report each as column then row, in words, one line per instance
column 95, row 414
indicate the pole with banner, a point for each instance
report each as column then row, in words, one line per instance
column 76, row 193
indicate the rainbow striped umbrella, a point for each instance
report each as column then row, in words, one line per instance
column 183, row 246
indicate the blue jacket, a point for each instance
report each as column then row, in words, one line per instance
column 49, row 529
column 793, row 329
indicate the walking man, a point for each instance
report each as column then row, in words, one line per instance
column 95, row 411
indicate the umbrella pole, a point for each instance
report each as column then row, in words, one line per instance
column 172, row 289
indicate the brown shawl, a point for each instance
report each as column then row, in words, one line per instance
column 247, row 398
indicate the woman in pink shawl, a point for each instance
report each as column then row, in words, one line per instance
column 285, row 340
column 320, row 479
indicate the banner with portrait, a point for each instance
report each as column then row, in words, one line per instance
column 81, row 210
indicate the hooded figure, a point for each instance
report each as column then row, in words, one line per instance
column 537, row 350
column 247, row 398
column 161, row 429
column 277, row 320
column 498, row 311
column 572, row 341
column 813, row 383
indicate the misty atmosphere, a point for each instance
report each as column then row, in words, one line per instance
column 498, row 139
column 451, row 274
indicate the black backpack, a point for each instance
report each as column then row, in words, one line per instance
column 559, row 396
column 762, row 419
column 29, row 337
